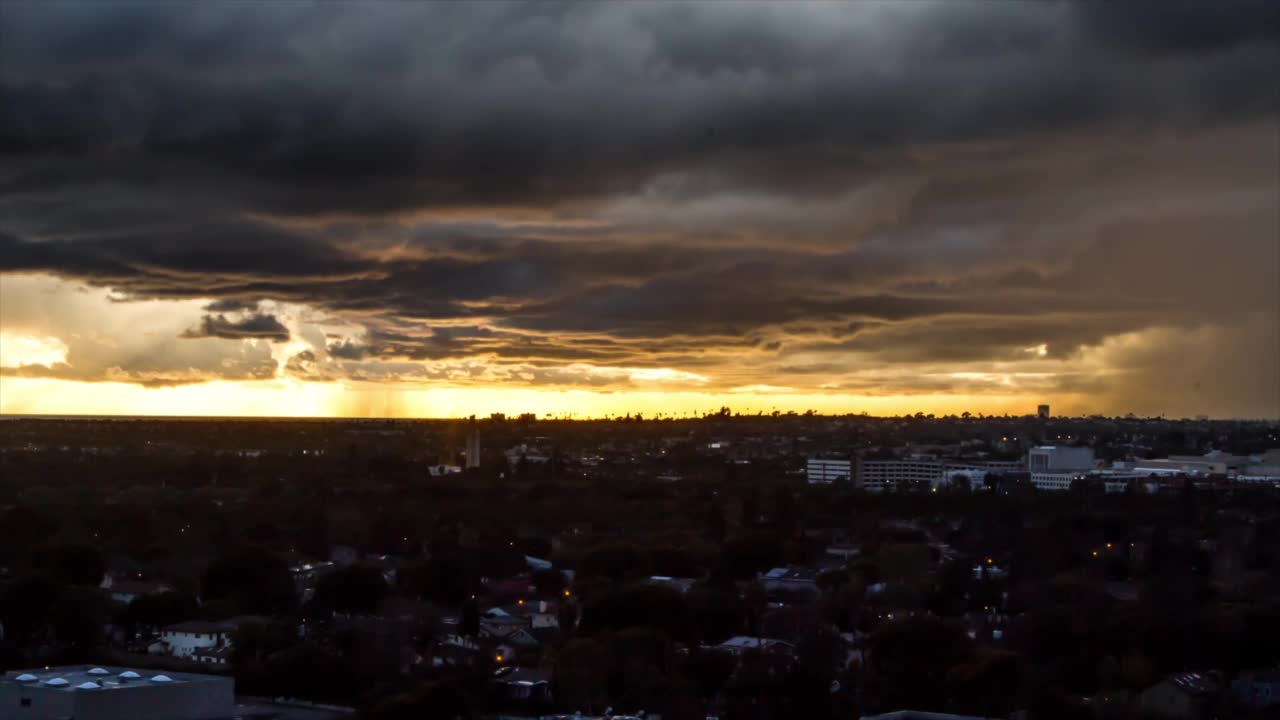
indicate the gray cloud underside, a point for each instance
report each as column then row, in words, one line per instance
column 251, row 327
column 664, row 184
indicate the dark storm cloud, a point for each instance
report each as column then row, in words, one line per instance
column 253, row 327
column 232, row 305
column 1182, row 26
column 501, row 104
column 347, row 350
column 648, row 184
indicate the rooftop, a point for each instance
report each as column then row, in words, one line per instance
column 1194, row 682
column 83, row 678
column 201, row 627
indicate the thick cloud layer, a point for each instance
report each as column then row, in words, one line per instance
column 250, row 327
column 833, row 195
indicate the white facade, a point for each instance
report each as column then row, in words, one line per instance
column 1055, row 480
column 184, row 639
column 821, row 471
column 1179, row 466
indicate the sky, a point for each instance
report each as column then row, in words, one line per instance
column 591, row 209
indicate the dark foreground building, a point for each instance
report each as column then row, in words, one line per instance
column 85, row 692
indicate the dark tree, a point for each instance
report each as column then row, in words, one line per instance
column 643, row 605
column 162, row 609
column 249, row 581
column 255, row 640
column 24, row 608
column 549, row 581
column 73, row 564
column 911, row 659
column 470, row 617
column 444, row 579
column 355, row 590
column 77, row 617
column 615, row 562
column 436, row 700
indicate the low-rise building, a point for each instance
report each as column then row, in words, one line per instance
column 1182, row 696
column 115, row 693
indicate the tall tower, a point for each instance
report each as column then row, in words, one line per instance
column 473, row 444
column 1043, row 411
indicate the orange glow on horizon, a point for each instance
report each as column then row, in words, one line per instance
column 291, row 398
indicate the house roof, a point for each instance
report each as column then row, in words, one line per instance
column 1194, row 683
column 791, row 573
column 526, row 675
column 137, row 587
column 201, row 626
column 743, row 642
column 545, row 635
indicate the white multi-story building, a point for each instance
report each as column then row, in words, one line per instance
column 1056, row 467
column 823, row 471
column 881, row 475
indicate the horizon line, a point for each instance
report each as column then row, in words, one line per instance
column 641, row 417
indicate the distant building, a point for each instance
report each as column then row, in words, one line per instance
column 919, row 715
column 890, row 475
column 526, row 453
column 822, row 471
column 1179, row 465
column 1057, row 467
column 525, row 684
column 680, row 585
column 126, row 591
column 1183, row 696
column 976, row 472
column 740, row 644
column 790, row 579
column 1257, row 690
column 1042, row 411
column 1049, row 458
column 473, row 444
column 115, row 693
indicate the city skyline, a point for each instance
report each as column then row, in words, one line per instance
column 445, row 210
